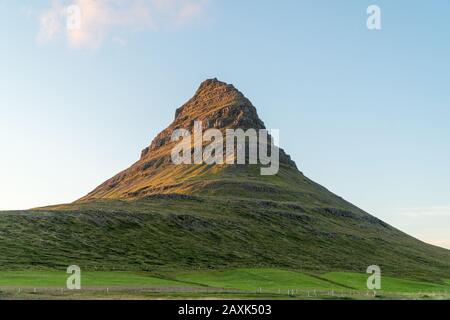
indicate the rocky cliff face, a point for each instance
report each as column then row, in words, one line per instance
column 217, row 105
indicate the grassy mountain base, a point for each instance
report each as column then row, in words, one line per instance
column 186, row 234
column 229, row 283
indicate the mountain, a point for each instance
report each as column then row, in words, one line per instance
column 160, row 216
column 218, row 106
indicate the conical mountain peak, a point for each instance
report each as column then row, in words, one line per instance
column 212, row 96
column 215, row 104
column 214, row 87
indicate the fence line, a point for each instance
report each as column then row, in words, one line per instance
column 311, row 294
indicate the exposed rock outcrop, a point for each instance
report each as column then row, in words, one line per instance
column 217, row 105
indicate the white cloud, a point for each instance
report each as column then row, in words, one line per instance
column 190, row 11
column 434, row 211
column 427, row 223
column 120, row 41
column 50, row 22
column 101, row 19
column 180, row 12
column 440, row 242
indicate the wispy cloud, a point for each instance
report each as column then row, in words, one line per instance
column 445, row 243
column 103, row 19
column 427, row 223
column 189, row 11
column 434, row 211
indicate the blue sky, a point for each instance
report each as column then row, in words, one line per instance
column 364, row 113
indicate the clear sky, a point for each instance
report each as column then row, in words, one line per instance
column 364, row 113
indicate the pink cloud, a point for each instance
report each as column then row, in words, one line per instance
column 189, row 11
column 102, row 19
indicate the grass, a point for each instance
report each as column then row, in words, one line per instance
column 95, row 278
column 389, row 284
column 244, row 279
column 233, row 219
column 164, row 235
column 253, row 279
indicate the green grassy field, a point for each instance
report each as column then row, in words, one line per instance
column 244, row 280
column 272, row 279
column 388, row 284
column 253, row 279
column 164, row 235
column 96, row 278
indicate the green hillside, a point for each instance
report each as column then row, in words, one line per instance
column 164, row 218
column 317, row 233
